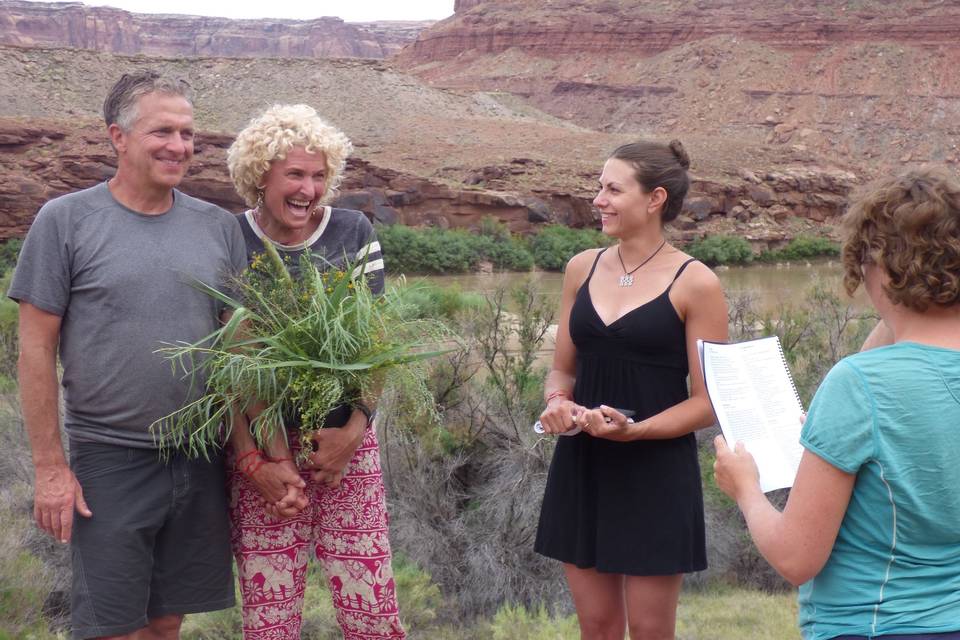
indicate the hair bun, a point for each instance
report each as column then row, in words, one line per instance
column 680, row 153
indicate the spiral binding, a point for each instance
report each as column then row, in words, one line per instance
column 786, row 368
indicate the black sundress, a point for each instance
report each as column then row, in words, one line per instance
column 634, row 508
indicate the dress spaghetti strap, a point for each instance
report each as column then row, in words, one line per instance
column 679, row 271
column 595, row 261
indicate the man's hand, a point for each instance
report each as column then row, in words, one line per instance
column 56, row 494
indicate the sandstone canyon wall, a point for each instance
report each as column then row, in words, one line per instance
column 75, row 25
column 416, row 147
column 509, row 107
column 821, row 89
column 865, row 82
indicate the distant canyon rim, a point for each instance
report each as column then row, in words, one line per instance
column 509, row 107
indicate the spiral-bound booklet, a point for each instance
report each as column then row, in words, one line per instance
column 756, row 402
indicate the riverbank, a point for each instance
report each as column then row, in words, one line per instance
column 492, row 247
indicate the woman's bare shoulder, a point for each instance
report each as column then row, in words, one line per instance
column 698, row 278
column 579, row 265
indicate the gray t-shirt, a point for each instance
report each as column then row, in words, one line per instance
column 124, row 284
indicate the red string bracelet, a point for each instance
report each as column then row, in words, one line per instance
column 559, row 393
column 236, row 463
column 254, row 467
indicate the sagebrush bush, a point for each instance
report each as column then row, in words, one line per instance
column 715, row 250
column 466, row 496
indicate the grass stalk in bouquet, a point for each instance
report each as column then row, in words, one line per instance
column 301, row 341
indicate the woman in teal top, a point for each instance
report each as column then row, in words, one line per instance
column 871, row 531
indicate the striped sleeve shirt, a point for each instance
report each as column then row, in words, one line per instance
column 343, row 235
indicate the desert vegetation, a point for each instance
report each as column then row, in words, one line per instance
column 432, row 250
column 465, row 492
column 733, row 250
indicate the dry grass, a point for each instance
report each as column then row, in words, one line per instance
column 732, row 614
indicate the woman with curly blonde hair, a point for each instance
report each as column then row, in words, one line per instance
column 286, row 164
column 871, row 531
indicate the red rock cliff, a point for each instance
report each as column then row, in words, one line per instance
column 646, row 28
column 868, row 84
column 74, row 25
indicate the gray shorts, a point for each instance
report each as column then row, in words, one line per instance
column 158, row 542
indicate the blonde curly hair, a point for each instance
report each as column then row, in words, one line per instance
column 910, row 227
column 270, row 136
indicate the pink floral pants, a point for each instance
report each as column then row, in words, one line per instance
column 346, row 528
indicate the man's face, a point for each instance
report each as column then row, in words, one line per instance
column 159, row 146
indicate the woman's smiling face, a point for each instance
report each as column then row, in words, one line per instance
column 621, row 200
column 292, row 188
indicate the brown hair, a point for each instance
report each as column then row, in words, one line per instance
column 659, row 165
column 120, row 106
column 910, row 227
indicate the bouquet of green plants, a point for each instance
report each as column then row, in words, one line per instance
column 300, row 346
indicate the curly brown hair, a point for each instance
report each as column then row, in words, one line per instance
column 910, row 227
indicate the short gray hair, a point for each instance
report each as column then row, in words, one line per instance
column 120, row 107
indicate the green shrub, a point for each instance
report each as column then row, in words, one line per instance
column 555, row 244
column 714, row 250
column 803, row 248
column 418, row 597
column 9, row 252
column 493, row 228
column 9, row 314
column 412, row 250
column 409, row 250
column 433, row 301
column 509, row 254
column 24, row 581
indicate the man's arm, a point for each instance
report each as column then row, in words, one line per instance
column 56, row 490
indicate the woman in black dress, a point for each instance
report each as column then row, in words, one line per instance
column 623, row 508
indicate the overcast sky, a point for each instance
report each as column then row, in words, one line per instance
column 349, row 10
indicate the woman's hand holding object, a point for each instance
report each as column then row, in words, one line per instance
column 735, row 470
column 609, row 423
column 560, row 417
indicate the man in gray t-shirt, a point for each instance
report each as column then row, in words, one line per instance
column 106, row 277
